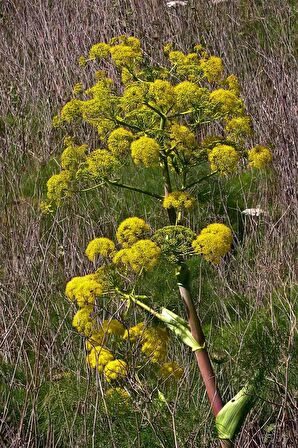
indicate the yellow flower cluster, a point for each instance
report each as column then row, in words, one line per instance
column 118, row 394
column 186, row 64
column 183, row 139
column 85, row 289
column 77, row 88
column 213, row 242
column 239, row 128
column 189, row 95
column 119, row 141
column 134, row 333
column 233, row 84
column 179, row 200
column 107, row 327
column 259, row 157
column 171, row 370
column 127, row 53
column 162, row 93
column 145, row 151
column 132, row 230
column 142, row 255
column 227, row 102
column 100, row 246
column 59, row 186
column 115, row 370
column 99, row 164
column 99, row 51
column 83, row 321
column 71, row 110
column 154, row 343
column 99, row 357
column 212, row 68
column 72, row 155
column 224, row 159
column 133, row 96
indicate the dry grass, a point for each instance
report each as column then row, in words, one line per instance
column 40, row 44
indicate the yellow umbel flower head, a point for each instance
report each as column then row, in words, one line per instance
column 127, row 53
column 188, row 95
column 259, row 157
column 212, row 68
column 162, row 93
column 133, row 96
column 71, row 110
column 213, row 242
column 72, row 155
column 144, row 254
column 134, row 333
column 154, row 343
column 99, row 51
column 233, row 84
column 83, row 321
column 183, row 139
column 119, row 142
column 100, row 163
column 179, row 200
column 115, row 370
column 84, row 289
column 239, row 128
column 145, row 151
column 99, row 357
column 171, row 370
column 59, row 187
column 131, row 230
column 118, row 394
column 100, row 246
column 224, row 159
column 226, row 102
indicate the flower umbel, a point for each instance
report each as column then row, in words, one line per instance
column 213, row 242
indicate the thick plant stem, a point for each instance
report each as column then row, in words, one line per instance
column 202, row 356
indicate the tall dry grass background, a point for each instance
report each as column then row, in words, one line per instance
column 40, row 43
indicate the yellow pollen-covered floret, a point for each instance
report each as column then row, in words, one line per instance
column 131, row 230
column 154, row 343
column 72, row 155
column 179, row 200
column 259, row 157
column 144, row 254
column 115, row 370
column 213, row 242
column 119, row 141
column 100, row 246
column 233, row 84
column 227, row 102
column 239, row 128
column 171, row 370
column 145, row 151
column 71, row 110
column 188, row 95
column 134, row 333
column 58, row 186
column 212, row 68
column 183, row 139
column 99, row 357
column 84, row 289
column 99, row 51
column 224, row 159
column 100, row 163
column 83, row 321
column 162, row 93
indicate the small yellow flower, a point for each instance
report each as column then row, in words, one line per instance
column 99, row 164
column 188, row 95
column 179, row 200
column 59, row 187
column 132, row 230
column 118, row 394
column 77, row 88
column 115, row 370
column 134, row 333
column 226, row 102
column 119, row 141
column 224, row 159
column 82, row 61
column 171, row 370
column 162, row 93
column 233, row 84
column 144, row 254
column 85, row 289
column 72, row 155
column 145, row 151
column 239, row 128
column 83, row 321
column 154, row 343
column 100, row 246
column 259, row 157
column 71, row 110
column 99, row 357
column 212, row 68
column 99, row 51
column 213, row 242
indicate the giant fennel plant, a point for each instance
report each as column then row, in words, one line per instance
column 187, row 121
